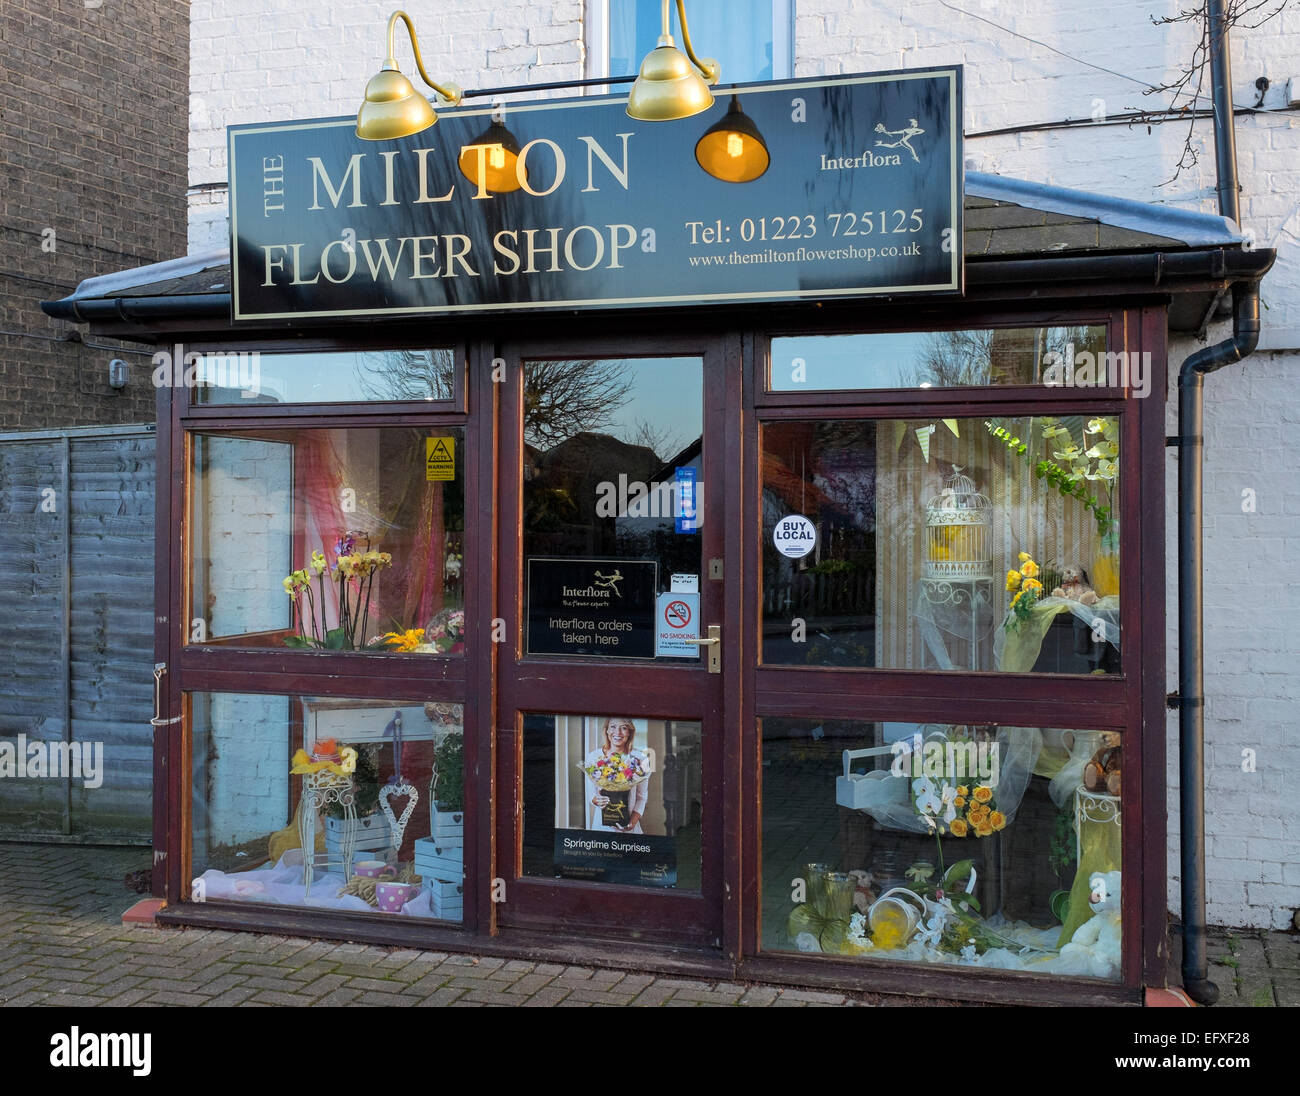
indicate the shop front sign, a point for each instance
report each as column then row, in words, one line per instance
column 863, row 196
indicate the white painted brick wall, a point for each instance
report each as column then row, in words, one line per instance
column 272, row 59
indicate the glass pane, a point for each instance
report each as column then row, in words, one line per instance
column 737, row 33
column 949, row 544
column 946, row 359
column 363, row 529
column 274, row 775
column 611, row 799
column 995, row 847
column 351, row 376
column 613, row 506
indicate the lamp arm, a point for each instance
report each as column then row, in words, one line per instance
column 709, row 67
column 451, row 92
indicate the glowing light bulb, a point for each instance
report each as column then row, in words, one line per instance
column 497, row 157
column 735, row 145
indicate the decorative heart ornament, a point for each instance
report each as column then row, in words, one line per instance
column 397, row 790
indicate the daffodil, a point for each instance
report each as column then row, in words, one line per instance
column 1023, row 557
column 1013, row 580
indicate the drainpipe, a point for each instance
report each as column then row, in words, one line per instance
column 1191, row 656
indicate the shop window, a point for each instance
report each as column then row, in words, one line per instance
column 249, row 377
column 329, row 539
column 974, row 544
column 986, row 847
column 614, row 503
column 1060, row 357
column 374, row 789
column 612, row 799
column 750, row 39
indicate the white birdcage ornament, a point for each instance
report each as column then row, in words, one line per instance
column 958, row 531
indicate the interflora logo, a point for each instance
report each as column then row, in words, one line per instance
column 39, row 760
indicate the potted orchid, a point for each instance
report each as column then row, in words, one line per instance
column 354, row 572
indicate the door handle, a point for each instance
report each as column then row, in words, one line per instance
column 160, row 668
column 714, row 644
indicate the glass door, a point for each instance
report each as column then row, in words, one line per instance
column 610, row 738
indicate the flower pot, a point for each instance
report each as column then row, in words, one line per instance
column 444, row 823
column 370, row 834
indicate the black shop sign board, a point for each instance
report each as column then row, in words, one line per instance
column 863, row 196
column 591, row 607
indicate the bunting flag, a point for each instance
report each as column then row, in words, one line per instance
column 900, row 432
column 923, row 436
column 951, row 424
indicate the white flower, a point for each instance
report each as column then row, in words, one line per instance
column 968, row 954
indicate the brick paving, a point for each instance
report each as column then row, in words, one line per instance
column 62, row 943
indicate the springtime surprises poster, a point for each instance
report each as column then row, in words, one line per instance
column 616, row 813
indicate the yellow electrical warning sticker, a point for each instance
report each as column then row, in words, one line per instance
column 439, row 459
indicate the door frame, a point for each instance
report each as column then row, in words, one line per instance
column 709, row 919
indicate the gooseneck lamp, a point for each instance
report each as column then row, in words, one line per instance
column 732, row 149
column 393, row 108
column 672, row 84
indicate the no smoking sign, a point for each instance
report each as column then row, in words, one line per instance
column 676, row 621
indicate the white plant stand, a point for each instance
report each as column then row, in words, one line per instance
column 319, row 790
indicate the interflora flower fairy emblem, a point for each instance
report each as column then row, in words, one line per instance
column 902, row 138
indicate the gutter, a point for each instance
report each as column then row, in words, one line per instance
column 1190, row 699
column 1158, row 270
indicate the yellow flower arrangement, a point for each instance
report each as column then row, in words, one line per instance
column 982, row 794
column 957, row 827
column 405, row 641
column 997, row 820
column 1027, row 587
column 960, row 802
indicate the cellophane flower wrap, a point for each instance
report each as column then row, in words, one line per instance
column 617, row 772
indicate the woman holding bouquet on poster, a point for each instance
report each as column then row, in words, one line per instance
column 618, row 779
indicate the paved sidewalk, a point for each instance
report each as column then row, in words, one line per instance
column 61, row 943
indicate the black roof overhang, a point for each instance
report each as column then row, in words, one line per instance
column 1193, row 282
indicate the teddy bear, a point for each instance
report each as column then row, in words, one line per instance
column 1095, row 946
column 1102, row 773
column 863, row 895
column 1075, row 586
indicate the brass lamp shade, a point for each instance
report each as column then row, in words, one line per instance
column 668, row 87
column 393, row 108
column 494, row 154
column 733, row 150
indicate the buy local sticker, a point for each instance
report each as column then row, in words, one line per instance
column 439, row 459
column 794, row 536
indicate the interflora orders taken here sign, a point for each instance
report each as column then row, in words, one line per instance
column 862, row 196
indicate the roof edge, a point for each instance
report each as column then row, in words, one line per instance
column 1193, row 229
column 101, row 285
